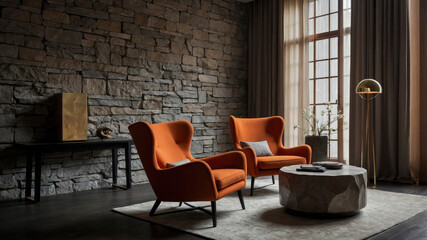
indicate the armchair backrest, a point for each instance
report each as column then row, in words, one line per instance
column 257, row 129
column 173, row 141
column 162, row 143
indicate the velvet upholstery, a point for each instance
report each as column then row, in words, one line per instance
column 205, row 179
column 275, row 162
column 270, row 129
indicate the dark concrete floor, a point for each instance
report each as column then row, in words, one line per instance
column 88, row 215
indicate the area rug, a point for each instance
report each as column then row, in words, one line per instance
column 265, row 218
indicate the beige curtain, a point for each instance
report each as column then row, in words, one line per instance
column 414, row 102
column 347, row 92
column 295, row 65
column 278, row 63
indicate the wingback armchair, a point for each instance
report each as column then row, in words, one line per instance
column 204, row 179
column 271, row 130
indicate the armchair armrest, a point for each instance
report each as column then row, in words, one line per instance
column 234, row 159
column 251, row 159
column 302, row 150
column 192, row 181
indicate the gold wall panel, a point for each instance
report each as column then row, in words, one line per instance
column 72, row 116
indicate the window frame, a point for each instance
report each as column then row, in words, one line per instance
column 339, row 33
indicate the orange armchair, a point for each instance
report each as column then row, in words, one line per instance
column 270, row 129
column 205, row 179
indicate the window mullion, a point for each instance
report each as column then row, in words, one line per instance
column 340, row 80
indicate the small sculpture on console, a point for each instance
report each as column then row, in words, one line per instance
column 103, row 132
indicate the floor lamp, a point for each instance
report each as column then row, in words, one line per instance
column 368, row 89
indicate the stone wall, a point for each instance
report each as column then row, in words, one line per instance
column 151, row 60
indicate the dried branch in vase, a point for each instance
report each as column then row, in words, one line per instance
column 317, row 125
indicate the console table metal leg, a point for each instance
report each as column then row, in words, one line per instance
column 29, row 176
column 114, row 166
column 38, row 170
column 128, row 166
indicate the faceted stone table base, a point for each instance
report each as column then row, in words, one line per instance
column 333, row 191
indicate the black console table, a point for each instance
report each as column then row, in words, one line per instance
column 37, row 149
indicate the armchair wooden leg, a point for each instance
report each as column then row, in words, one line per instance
column 252, row 185
column 180, row 204
column 272, row 178
column 155, row 206
column 213, row 204
column 239, row 193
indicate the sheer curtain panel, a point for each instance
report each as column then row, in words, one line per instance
column 295, row 65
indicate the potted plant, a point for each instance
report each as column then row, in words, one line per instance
column 319, row 130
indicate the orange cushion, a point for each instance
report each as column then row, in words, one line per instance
column 227, row 177
column 276, row 162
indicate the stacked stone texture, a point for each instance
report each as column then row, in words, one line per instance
column 150, row 60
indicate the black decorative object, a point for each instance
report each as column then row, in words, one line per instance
column 319, row 147
column 311, row 168
column 329, row 165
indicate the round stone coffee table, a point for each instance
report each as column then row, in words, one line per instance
column 331, row 192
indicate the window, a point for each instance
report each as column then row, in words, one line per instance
column 329, row 61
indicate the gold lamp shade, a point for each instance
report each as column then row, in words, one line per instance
column 368, row 88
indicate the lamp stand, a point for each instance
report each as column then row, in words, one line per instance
column 368, row 89
column 367, row 141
